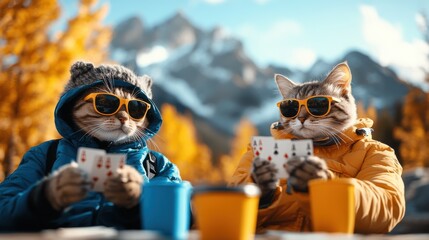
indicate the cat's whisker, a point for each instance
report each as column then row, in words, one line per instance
column 134, row 93
column 158, row 138
column 139, row 136
column 80, row 130
column 92, row 131
column 150, row 140
column 144, row 137
column 154, row 144
column 334, row 137
column 335, row 134
column 330, row 131
column 340, row 132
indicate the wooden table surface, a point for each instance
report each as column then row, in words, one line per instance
column 110, row 233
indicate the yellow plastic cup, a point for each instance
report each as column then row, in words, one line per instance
column 223, row 212
column 332, row 205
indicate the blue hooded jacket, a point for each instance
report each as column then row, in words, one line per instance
column 22, row 208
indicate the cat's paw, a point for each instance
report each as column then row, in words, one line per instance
column 303, row 169
column 67, row 185
column 264, row 175
column 124, row 187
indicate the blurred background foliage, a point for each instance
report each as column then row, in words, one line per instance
column 34, row 68
column 34, row 65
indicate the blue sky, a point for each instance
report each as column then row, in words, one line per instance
column 296, row 33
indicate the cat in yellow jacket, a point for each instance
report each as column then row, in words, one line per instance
column 325, row 111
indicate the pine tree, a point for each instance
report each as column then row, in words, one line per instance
column 34, row 67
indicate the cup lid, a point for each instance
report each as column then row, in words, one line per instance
column 248, row 189
column 168, row 184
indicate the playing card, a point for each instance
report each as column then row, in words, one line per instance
column 282, row 152
column 99, row 165
column 272, row 150
column 86, row 156
column 98, row 174
column 114, row 162
column 302, row 147
column 279, row 151
column 263, row 147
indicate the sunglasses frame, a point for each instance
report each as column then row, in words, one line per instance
column 122, row 101
column 303, row 102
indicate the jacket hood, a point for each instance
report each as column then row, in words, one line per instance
column 63, row 111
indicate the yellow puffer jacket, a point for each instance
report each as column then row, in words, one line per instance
column 376, row 173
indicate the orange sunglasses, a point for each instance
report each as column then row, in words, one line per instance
column 108, row 104
column 316, row 106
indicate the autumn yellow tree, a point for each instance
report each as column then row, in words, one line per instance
column 178, row 140
column 243, row 133
column 413, row 130
column 34, row 64
column 369, row 112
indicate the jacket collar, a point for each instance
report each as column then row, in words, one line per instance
column 361, row 129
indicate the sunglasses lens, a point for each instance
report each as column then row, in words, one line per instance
column 106, row 104
column 318, row 106
column 289, row 108
column 137, row 109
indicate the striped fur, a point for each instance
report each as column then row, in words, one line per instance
column 108, row 128
column 341, row 116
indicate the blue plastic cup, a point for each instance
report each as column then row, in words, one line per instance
column 165, row 208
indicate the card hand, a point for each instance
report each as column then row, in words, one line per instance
column 67, row 185
column 303, row 169
column 264, row 175
column 124, row 187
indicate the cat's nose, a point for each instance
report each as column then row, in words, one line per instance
column 302, row 119
column 122, row 116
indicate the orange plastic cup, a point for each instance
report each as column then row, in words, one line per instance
column 332, row 205
column 223, row 212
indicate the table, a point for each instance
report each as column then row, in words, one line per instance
column 104, row 233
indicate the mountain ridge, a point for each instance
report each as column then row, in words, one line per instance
column 209, row 74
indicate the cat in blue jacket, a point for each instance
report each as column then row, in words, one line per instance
column 106, row 107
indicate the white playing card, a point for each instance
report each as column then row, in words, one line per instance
column 263, row 147
column 272, row 150
column 115, row 162
column 279, row 151
column 99, row 165
column 98, row 174
column 302, row 147
column 86, row 156
column 282, row 152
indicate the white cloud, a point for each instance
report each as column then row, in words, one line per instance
column 421, row 22
column 388, row 45
column 277, row 44
column 261, row 2
column 214, row 1
column 303, row 57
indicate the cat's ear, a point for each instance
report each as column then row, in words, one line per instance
column 284, row 84
column 80, row 68
column 341, row 76
column 146, row 82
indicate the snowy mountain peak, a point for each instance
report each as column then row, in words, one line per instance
column 209, row 74
column 128, row 35
column 175, row 32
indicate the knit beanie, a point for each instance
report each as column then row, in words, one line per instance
column 84, row 73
